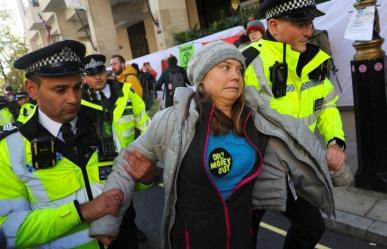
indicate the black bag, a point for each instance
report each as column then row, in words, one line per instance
column 148, row 88
column 175, row 79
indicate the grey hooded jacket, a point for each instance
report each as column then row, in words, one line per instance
column 292, row 150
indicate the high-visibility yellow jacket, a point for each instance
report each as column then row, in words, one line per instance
column 5, row 116
column 37, row 206
column 129, row 114
column 25, row 110
column 308, row 98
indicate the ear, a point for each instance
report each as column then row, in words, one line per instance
column 272, row 25
column 32, row 89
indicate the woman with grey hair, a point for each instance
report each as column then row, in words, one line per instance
column 211, row 145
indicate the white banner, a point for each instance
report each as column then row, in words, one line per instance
column 155, row 58
column 335, row 21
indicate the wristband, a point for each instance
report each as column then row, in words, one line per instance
column 337, row 142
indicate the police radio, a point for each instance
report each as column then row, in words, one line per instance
column 43, row 151
column 106, row 147
column 279, row 76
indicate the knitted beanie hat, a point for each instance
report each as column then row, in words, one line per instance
column 211, row 55
column 255, row 25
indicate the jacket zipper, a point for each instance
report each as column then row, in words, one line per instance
column 225, row 206
column 245, row 181
column 259, row 168
column 179, row 160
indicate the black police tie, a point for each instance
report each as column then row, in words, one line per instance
column 67, row 133
column 105, row 102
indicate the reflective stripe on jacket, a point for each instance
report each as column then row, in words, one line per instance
column 37, row 206
column 129, row 114
column 311, row 100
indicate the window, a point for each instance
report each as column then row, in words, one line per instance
column 35, row 3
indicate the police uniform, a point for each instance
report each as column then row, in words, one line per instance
column 124, row 111
column 5, row 114
column 21, row 112
column 298, row 87
column 117, row 103
column 48, row 169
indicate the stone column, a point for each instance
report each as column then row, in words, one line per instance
column 102, row 27
column 66, row 28
column 172, row 16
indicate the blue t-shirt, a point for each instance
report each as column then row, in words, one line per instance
column 229, row 159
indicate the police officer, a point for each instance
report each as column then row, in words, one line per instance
column 25, row 106
column 292, row 75
column 51, row 178
column 5, row 114
column 123, row 111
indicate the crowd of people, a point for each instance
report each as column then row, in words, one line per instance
column 242, row 142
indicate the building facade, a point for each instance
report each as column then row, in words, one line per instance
column 131, row 28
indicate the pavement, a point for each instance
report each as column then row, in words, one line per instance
column 360, row 213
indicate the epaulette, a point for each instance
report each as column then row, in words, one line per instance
column 250, row 54
column 9, row 129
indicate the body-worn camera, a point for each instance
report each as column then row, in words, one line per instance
column 278, row 78
column 43, row 152
column 106, row 147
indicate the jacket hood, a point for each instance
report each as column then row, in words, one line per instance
column 129, row 70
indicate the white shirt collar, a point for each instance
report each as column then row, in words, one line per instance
column 54, row 127
column 106, row 91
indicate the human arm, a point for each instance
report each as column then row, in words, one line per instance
column 23, row 226
column 335, row 157
column 161, row 81
column 26, row 227
column 109, row 225
column 186, row 80
column 136, row 165
column 149, row 145
column 331, row 128
column 151, row 71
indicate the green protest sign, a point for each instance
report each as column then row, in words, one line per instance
column 185, row 54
